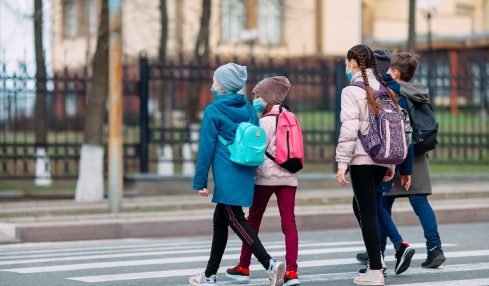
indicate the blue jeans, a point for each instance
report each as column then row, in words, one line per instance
column 426, row 217
column 387, row 228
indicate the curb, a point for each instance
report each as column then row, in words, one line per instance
column 200, row 223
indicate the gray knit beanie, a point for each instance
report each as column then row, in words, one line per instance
column 273, row 90
column 231, row 77
column 384, row 59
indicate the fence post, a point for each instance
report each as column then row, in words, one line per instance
column 339, row 80
column 143, row 113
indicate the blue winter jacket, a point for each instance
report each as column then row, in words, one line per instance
column 406, row 168
column 233, row 183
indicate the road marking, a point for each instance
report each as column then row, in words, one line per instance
column 159, row 247
column 327, row 262
column 260, row 281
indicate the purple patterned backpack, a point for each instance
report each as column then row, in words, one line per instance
column 385, row 141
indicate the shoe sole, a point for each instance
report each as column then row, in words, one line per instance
column 405, row 261
column 239, row 278
column 437, row 261
column 292, row 282
column 197, row 284
column 368, row 283
column 278, row 276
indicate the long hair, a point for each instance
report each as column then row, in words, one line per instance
column 366, row 60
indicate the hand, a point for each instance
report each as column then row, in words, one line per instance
column 204, row 192
column 406, row 181
column 340, row 177
column 389, row 175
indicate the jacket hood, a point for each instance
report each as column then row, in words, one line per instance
column 234, row 106
column 415, row 91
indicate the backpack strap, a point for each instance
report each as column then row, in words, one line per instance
column 362, row 85
column 223, row 141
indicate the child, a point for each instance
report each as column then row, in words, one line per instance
column 404, row 252
column 233, row 183
column 402, row 69
column 272, row 179
column 366, row 175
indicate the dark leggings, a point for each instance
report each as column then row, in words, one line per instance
column 365, row 180
column 233, row 216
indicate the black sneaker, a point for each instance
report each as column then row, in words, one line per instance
column 403, row 257
column 362, row 257
column 384, row 267
column 435, row 258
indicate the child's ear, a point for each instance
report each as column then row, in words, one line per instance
column 395, row 73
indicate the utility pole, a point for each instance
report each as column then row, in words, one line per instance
column 411, row 45
column 115, row 107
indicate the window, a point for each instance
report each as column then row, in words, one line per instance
column 233, row 17
column 92, row 17
column 270, row 21
column 70, row 19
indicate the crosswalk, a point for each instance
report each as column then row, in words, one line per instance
column 170, row 262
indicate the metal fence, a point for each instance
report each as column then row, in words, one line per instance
column 161, row 137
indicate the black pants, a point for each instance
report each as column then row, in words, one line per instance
column 233, row 216
column 365, row 179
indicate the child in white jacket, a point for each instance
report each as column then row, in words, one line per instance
column 272, row 179
column 366, row 175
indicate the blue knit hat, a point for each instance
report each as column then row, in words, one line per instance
column 231, row 77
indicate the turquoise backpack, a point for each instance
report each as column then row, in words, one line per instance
column 249, row 145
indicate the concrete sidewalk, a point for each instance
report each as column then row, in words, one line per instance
column 189, row 214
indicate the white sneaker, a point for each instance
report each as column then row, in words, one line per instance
column 372, row 277
column 200, row 279
column 276, row 273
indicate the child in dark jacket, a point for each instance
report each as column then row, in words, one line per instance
column 234, row 184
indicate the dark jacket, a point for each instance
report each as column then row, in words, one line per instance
column 420, row 178
column 406, row 168
column 234, row 184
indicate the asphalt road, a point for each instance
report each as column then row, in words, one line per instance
column 325, row 258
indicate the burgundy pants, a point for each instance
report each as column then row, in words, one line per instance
column 286, row 203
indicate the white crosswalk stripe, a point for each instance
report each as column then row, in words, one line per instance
column 132, row 260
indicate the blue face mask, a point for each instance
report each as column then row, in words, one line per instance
column 259, row 105
column 349, row 75
column 215, row 91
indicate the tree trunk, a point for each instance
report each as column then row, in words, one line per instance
column 90, row 184
column 165, row 151
column 43, row 175
column 411, row 45
column 201, row 58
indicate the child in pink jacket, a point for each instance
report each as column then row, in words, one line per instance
column 272, row 179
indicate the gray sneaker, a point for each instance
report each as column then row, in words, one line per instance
column 276, row 273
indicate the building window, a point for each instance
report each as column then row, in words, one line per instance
column 233, row 17
column 270, row 21
column 70, row 19
column 92, row 17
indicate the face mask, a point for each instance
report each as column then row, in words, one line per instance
column 349, row 75
column 259, row 105
column 215, row 91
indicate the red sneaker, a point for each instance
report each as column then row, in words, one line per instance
column 291, row 278
column 239, row 274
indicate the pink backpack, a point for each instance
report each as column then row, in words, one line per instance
column 289, row 146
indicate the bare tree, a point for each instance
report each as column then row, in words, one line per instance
column 90, row 184
column 43, row 176
column 200, row 58
column 411, row 45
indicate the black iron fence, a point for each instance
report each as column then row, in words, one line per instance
column 161, row 137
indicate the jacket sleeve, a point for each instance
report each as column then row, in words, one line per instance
column 406, row 168
column 208, row 140
column 350, row 124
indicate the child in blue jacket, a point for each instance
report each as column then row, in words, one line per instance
column 233, row 183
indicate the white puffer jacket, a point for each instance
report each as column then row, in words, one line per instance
column 269, row 173
column 355, row 116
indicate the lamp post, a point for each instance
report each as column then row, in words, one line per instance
column 428, row 7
